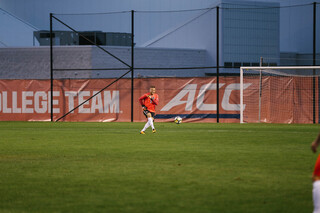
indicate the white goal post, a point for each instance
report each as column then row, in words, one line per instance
column 269, row 94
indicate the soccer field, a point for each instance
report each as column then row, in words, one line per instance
column 110, row 167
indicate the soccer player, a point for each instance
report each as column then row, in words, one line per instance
column 148, row 102
column 316, row 177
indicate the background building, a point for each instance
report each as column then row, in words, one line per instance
column 167, row 34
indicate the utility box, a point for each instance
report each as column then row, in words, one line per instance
column 65, row 38
column 62, row 38
column 119, row 39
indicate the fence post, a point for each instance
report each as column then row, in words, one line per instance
column 132, row 62
column 51, row 70
column 314, row 62
column 218, row 102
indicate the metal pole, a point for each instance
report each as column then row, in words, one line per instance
column 241, row 95
column 218, row 104
column 314, row 51
column 132, row 62
column 260, row 88
column 314, row 62
column 51, row 70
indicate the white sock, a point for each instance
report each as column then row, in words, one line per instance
column 146, row 126
column 151, row 122
column 316, row 196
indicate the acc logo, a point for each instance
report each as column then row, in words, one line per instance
column 190, row 90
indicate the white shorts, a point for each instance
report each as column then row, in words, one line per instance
column 316, row 196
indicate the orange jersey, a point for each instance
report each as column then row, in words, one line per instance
column 316, row 171
column 149, row 101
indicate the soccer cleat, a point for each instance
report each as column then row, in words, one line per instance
column 154, row 131
column 142, row 133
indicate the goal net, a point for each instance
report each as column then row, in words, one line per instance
column 279, row 94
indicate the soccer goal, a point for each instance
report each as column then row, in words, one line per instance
column 280, row 94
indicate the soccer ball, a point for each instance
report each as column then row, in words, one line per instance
column 178, row 120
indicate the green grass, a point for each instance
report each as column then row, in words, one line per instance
column 109, row 167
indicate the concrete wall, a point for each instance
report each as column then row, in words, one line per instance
column 34, row 62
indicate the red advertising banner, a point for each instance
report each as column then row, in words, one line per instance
column 194, row 99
